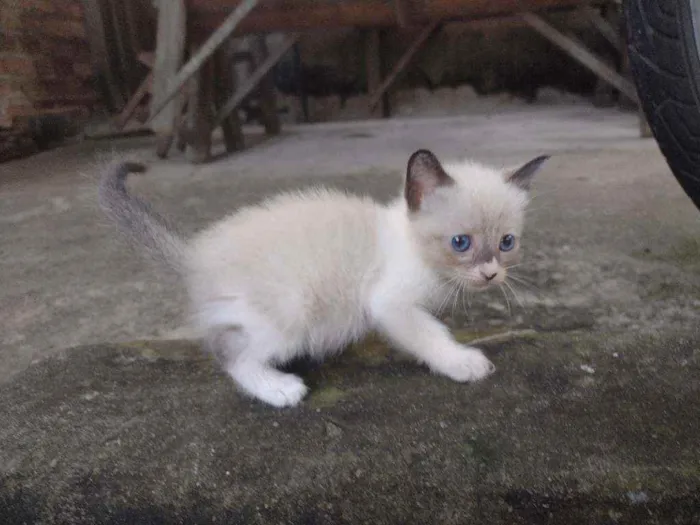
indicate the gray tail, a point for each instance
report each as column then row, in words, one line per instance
column 136, row 219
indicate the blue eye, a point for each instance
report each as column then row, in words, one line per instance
column 461, row 243
column 507, row 243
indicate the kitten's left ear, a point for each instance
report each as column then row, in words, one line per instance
column 522, row 177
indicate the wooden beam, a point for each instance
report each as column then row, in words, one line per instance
column 253, row 80
column 200, row 113
column 605, row 28
column 373, row 65
column 405, row 13
column 266, row 89
column 206, row 50
column 145, row 87
column 579, row 52
column 403, row 62
column 170, row 49
column 224, row 85
column 301, row 15
column 99, row 52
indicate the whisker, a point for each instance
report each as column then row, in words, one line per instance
column 515, row 295
column 528, row 288
column 450, row 282
column 510, row 312
column 454, row 300
column 463, row 291
column 523, row 281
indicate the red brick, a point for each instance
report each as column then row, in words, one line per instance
column 72, row 8
column 41, row 6
column 17, row 65
column 50, row 26
column 82, row 69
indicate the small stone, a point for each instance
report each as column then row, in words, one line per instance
column 616, row 355
column 333, row 430
column 275, row 424
column 443, row 424
column 588, row 369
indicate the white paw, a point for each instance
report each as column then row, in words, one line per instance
column 464, row 364
column 285, row 390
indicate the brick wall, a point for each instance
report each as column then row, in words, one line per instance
column 45, row 69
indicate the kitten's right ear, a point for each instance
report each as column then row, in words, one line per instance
column 424, row 175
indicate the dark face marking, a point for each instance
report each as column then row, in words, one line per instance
column 484, row 255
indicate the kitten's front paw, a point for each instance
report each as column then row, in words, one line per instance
column 287, row 390
column 464, row 364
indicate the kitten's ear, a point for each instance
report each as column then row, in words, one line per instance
column 424, row 175
column 522, row 177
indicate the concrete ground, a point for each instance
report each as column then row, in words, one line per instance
column 592, row 415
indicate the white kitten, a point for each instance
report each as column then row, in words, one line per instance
column 310, row 272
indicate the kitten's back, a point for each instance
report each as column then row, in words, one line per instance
column 316, row 249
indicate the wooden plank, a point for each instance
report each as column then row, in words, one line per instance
column 224, row 86
column 253, row 80
column 170, row 49
column 403, row 62
column 204, row 52
column 578, row 51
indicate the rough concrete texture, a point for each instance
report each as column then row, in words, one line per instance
column 591, row 417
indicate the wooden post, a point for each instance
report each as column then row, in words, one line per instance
column 373, row 63
column 200, row 114
column 224, row 86
column 266, row 89
column 403, row 62
column 170, row 48
column 253, row 80
column 205, row 51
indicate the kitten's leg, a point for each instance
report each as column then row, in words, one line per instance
column 417, row 332
column 247, row 360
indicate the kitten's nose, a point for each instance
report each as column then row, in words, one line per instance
column 490, row 277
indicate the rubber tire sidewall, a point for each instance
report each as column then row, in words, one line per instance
column 671, row 102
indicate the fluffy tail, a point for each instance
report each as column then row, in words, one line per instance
column 135, row 218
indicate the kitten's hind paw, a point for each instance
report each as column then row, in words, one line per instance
column 464, row 364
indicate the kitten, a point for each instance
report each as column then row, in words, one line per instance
column 310, row 272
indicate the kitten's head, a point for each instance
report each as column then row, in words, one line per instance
column 468, row 218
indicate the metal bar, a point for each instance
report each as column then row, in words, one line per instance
column 253, row 80
column 203, row 53
column 402, row 63
column 579, row 52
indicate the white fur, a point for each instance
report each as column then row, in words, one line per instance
column 310, row 272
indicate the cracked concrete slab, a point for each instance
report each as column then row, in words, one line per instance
column 590, row 417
